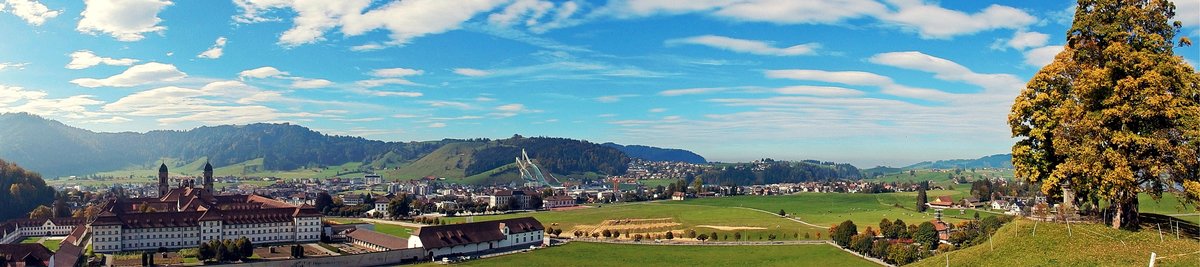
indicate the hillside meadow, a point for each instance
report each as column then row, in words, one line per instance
column 1053, row 244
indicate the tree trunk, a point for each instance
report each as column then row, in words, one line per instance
column 1125, row 213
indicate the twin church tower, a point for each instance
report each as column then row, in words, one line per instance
column 163, row 187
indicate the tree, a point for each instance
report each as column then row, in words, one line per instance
column 557, row 232
column 60, row 208
column 607, row 233
column 782, row 214
column 670, row 235
column 861, row 243
column 977, row 215
column 697, row 186
column 535, row 202
column 702, row 237
column 204, row 252
column 41, row 212
column 921, row 197
column 1115, row 113
column 737, row 235
column 885, row 228
column 898, row 230
column 245, row 248
column 843, row 232
column 324, row 202
column 926, row 235
column 399, row 207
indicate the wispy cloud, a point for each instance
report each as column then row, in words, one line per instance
column 747, row 46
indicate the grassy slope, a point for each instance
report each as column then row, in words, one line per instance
column 592, row 254
column 688, row 215
column 1088, row 245
column 443, row 162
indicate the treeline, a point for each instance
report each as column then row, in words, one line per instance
column 556, row 155
column 771, row 171
column 898, row 243
column 22, row 191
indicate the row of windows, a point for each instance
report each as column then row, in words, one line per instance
column 143, row 236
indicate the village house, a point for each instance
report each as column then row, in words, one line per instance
column 558, row 201
column 942, row 202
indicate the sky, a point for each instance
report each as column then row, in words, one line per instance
column 888, row 82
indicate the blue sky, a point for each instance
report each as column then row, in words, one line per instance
column 868, row 82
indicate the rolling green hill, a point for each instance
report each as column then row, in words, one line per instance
column 1053, row 244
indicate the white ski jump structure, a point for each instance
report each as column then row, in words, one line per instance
column 530, row 171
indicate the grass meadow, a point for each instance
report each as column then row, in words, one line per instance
column 594, row 254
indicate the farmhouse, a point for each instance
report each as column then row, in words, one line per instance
column 1000, row 205
column 477, row 238
column 502, row 198
column 678, row 196
column 185, row 216
column 971, row 202
column 559, row 202
column 942, row 202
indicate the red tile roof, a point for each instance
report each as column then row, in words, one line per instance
column 470, row 233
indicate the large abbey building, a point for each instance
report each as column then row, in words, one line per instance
column 188, row 214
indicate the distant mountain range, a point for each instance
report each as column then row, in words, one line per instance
column 658, row 154
column 1001, row 161
column 55, row 149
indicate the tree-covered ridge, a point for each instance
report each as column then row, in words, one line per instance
column 23, row 190
column 659, row 154
column 1001, row 161
column 771, row 171
column 556, row 155
column 56, row 149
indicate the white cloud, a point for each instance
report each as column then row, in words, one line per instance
column 747, row 46
column 216, row 50
column 262, row 72
column 842, row 77
column 401, row 94
column 935, row 22
column 818, row 91
column 437, row 125
column 396, row 72
column 613, row 98
column 948, row 70
column 83, row 59
column 382, row 82
column 136, row 75
column 448, row 104
column 1188, row 12
column 692, row 91
column 222, row 102
column 658, row 110
column 33, row 12
column 471, row 72
column 18, row 99
column 12, row 65
column 367, row 47
column 1023, row 39
column 403, row 20
column 511, row 108
column 304, row 83
column 1041, row 56
column 539, row 16
column 125, row 20
column 928, row 20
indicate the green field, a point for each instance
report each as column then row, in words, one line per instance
column 831, row 208
column 593, row 254
column 687, row 215
column 1016, row 244
column 395, row 230
column 52, row 244
column 30, row 240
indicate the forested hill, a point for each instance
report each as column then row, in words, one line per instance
column 658, row 154
column 21, row 191
column 1001, row 161
column 55, row 149
column 555, row 155
column 771, row 171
